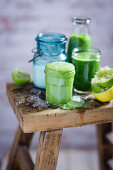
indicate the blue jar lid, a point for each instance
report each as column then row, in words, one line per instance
column 51, row 38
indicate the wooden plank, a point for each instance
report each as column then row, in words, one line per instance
column 48, row 149
column 109, row 136
column 110, row 163
column 24, row 159
column 20, row 139
column 32, row 120
column 104, row 148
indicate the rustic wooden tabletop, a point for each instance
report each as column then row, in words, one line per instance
column 33, row 118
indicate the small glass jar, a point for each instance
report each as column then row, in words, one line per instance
column 86, row 63
column 80, row 37
column 51, row 47
column 59, row 82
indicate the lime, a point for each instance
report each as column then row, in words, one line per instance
column 105, row 96
column 64, row 107
column 96, row 88
column 103, row 78
column 75, row 104
column 102, row 84
column 20, row 77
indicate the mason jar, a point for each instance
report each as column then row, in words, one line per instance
column 59, row 82
column 50, row 47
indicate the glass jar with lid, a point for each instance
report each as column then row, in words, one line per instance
column 50, row 48
column 80, row 37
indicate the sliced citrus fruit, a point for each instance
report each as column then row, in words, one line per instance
column 104, row 77
column 20, row 77
column 105, row 96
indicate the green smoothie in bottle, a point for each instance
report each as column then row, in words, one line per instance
column 80, row 37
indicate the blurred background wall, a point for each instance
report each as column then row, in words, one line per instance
column 20, row 22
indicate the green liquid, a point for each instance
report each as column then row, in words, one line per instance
column 81, row 41
column 59, row 82
column 86, row 65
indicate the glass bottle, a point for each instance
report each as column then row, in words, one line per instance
column 50, row 48
column 79, row 37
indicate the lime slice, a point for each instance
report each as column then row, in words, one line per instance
column 96, row 88
column 103, row 78
column 65, row 107
column 75, row 104
column 20, row 77
column 105, row 96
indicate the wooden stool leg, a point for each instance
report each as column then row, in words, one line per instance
column 105, row 148
column 48, row 149
column 21, row 139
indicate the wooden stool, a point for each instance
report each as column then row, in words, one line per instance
column 50, row 123
column 105, row 145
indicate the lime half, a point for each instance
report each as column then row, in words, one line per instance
column 103, row 78
column 102, row 84
column 20, row 77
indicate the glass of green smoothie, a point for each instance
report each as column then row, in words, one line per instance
column 86, row 63
column 59, row 78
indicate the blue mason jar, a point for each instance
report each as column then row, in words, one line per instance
column 50, row 47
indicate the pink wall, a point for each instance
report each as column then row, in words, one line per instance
column 20, row 22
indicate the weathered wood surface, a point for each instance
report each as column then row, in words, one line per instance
column 20, row 139
column 105, row 148
column 34, row 119
column 109, row 136
column 24, row 159
column 48, row 149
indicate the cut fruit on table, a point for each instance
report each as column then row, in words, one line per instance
column 104, row 77
column 102, row 84
column 105, row 96
column 20, row 78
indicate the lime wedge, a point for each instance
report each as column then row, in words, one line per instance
column 20, row 78
column 102, row 85
column 64, row 107
column 74, row 103
column 103, row 78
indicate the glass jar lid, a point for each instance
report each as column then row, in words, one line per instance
column 51, row 38
column 81, row 20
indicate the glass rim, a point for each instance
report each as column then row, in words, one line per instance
column 61, row 39
column 96, row 50
column 81, row 20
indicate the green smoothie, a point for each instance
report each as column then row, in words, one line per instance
column 86, row 65
column 80, row 41
column 59, row 78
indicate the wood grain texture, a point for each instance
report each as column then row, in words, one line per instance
column 32, row 119
column 48, row 149
column 105, row 148
column 24, row 159
column 109, row 136
column 20, row 139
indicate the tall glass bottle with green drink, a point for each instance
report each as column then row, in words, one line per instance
column 80, row 37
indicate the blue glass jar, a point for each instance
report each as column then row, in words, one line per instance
column 50, row 47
